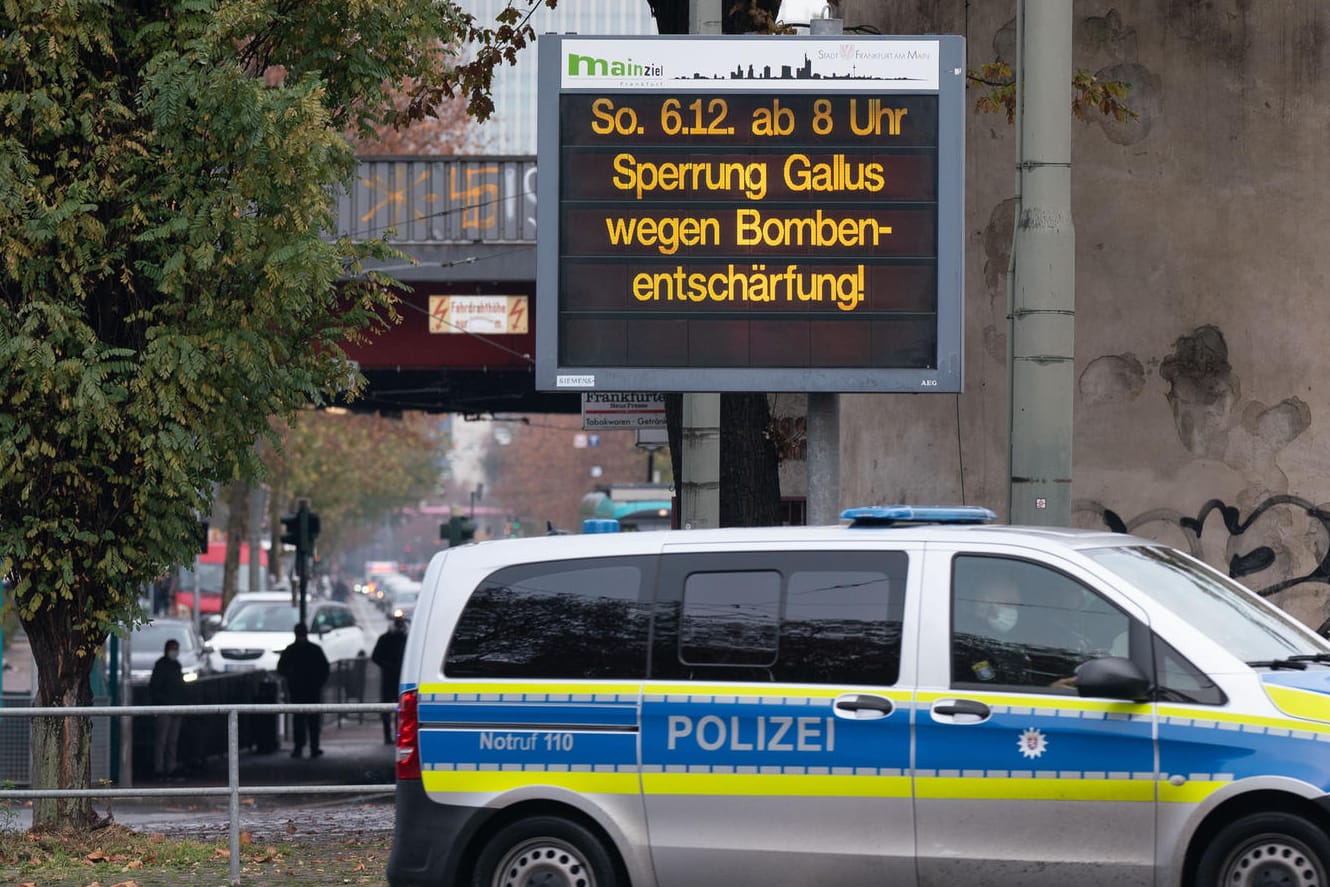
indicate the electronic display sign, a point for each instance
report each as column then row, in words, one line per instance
column 750, row 214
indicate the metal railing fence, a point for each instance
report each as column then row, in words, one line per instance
column 232, row 787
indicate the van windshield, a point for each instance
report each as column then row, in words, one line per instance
column 1252, row 628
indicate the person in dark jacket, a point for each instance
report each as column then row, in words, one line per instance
column 305, row 669
column 983, row 649
column 167, row 687
column 387, row 656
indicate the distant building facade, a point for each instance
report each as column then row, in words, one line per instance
column 512, row 128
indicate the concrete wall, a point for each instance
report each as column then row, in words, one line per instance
column 1202, row 256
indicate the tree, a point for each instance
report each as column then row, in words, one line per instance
column 355, row 469
column 449, row 131
column 170, row 279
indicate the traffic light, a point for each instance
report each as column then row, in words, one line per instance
column 458, row 530
column 299, row 530
column 309, row 530
column 291, row 530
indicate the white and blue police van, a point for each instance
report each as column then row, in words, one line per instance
column 913, row 697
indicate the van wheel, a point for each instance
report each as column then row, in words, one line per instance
column 1261, row 849
column 545, row 851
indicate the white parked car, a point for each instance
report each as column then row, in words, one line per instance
column 148, row 641
column 255, row 635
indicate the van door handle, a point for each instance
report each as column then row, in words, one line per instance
column 962, row 707
column 865, row 707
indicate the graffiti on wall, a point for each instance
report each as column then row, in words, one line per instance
column 1281, row 545
column 1257, row 531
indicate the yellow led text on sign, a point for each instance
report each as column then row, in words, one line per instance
column 799, row 173
column 755, row 284
column 711, row 116
column 639, row 178
column 750, row 229
column 752, row 176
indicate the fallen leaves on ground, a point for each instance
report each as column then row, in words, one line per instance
column 312, row 853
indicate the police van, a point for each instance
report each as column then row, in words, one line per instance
column 913, row 697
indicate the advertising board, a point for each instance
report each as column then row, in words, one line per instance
column 622, row 409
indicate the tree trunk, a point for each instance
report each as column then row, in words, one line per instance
column 749, row 465
column 749, row 469
column 276, row 508
column 237, row 531
column 61, row 746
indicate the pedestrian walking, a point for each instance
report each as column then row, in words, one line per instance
column 162, row 591
column 167, row 687
column 387, row 656
column 305, row 669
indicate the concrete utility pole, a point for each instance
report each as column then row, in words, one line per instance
column 823, row 465
column 1042, row 275
column 699, row 488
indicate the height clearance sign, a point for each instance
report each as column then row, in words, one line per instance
column 750, row 214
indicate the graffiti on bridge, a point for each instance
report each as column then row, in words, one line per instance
column 454, row 199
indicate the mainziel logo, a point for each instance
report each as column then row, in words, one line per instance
column 590, row 66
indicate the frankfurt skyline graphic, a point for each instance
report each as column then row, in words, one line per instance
column 786, row 72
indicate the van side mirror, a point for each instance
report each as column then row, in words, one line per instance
column 1112, row 677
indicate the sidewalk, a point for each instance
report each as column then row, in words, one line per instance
column 354, row 754
column 353, row 746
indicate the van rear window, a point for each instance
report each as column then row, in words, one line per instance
column 819, row 617
column 563, row 619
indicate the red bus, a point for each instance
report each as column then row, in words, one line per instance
column 210, row 568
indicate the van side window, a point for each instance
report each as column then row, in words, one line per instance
column 730, row 619
column 1177, row 680
column 793, row 617
column 585, row 618
column 842, row 627
column 1023, row 624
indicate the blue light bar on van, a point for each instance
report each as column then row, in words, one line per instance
column 887, row 515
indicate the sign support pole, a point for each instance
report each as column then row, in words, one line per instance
column 699, row 488
column 823, row 465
